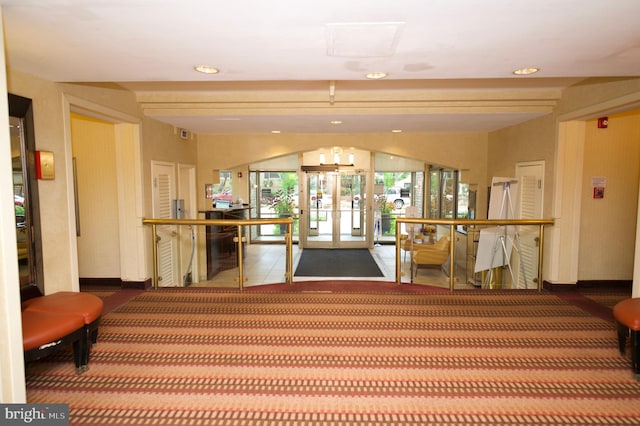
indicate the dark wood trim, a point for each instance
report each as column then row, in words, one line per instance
column 29, row 292
column 22, row 108
column 546, row 285
column 138, row 285
column 117, row 283
column 103, row 282
column 618, row 285
column 621, row 285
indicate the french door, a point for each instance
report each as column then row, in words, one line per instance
column 336, row 210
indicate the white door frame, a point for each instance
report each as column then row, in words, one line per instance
column 167, row 235
column 528, row 235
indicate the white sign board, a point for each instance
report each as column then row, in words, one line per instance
column 411, row 211
column 494, row 241
column 495, row 244
column 504, row 198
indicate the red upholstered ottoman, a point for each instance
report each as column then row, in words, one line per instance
column 45, row 332
column 627, row 315
column 85, row 305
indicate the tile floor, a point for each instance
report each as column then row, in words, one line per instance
column 265, row 264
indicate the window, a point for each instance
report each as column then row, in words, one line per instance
column 223, row 191
column 444, row 193
column 276, row 195
column 395, row 188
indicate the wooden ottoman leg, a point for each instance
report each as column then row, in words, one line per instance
column 78, row 355
column 90, row 338
column 635, row 352
column 623, row 332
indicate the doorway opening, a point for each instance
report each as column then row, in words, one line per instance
column 337, row 214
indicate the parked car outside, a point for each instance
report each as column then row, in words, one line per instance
column 397, row 197
column 224, row 195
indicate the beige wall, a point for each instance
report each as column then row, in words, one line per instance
column 608, row 225
column 12, row 380
column 162, row 142
column 159, row 141
column 541, row 139
column 537, row 139
column 530, row 141
column 605, row 92
column 58, row 238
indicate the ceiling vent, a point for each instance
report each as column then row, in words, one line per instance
column 362, row 40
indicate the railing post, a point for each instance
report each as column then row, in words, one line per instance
column 453, row 223
column 398, row 265
column 540, row 253
column 452, row 256
column 240, row 241
column 289, row 253
column 154, row 251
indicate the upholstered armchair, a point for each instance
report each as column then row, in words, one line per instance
column 406, row 243
column 430, row 254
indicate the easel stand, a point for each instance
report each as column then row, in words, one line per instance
column 377, row 228
column 500, row 241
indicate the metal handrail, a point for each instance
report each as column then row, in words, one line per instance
column 240, row 224
column 288, row 237
column 453, row 223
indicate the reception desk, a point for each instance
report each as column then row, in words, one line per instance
column 221, row 250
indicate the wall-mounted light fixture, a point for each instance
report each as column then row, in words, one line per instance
column 329, row 167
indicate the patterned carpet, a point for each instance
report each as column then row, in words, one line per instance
column 403, row 355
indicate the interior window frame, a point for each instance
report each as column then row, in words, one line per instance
column 22, row 109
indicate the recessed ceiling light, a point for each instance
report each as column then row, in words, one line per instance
column 206, row 69
column 376, row 75
column 336, row 121
column 396, row 131
column 275, row 132
column 526, row 71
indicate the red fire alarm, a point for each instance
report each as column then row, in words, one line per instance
column 240, row 175
column 603, row 122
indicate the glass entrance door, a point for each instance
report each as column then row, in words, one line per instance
column 337, row 211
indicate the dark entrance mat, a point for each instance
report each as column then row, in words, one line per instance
column 337, row 263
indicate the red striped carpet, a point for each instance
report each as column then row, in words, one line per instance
column 378, row 355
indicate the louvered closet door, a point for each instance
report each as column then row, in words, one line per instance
column 530, row 176
column 164, row 191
